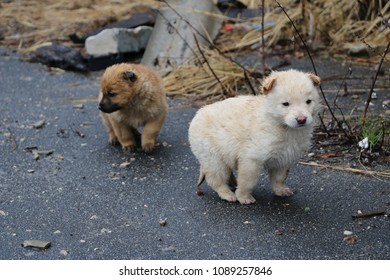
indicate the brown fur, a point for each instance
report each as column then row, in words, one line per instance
column 132, row 96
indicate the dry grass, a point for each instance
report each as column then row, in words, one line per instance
column 195, row 79
column 332, row 23
column 26, row 23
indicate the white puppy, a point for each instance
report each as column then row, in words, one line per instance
column 248, row 133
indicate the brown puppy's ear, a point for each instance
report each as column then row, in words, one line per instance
column 129, row 76
column 268, row 85
column 316, row 80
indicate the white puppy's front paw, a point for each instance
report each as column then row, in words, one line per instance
column 227, row 195
column 246, row 199
column 283, row 191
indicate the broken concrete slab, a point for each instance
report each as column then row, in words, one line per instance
column 172, row 40
column 118, row 40
column 147, row 18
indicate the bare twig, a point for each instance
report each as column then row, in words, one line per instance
column 369, row 214
column 339, row 124
column 209, row 66
column 13, row 139
column 262, row 36
column 373, row 83
column 349, row 169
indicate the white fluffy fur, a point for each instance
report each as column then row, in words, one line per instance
column 249, row 133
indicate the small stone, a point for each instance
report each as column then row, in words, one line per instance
column 347, row 232
column 30, row 171
column 357, row 49
column 307, row 209
column 165, row 144
column 78, row 106
column 163, row 222
column 57, row 232
column 39, row 124
column 355, row 97
column 64, row 253
column 311, row 155
column 279, row 231
column 2, row 213
column 124, row 164
column 82, row 241
column 105, row 230
column 38, row 244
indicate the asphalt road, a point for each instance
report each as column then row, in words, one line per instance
column 81, row 200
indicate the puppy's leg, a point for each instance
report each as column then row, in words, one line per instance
column 149, row 133
column 217, row 178
column 249, row 172
column 127, row 136
column 112, row 139
column 277, row 177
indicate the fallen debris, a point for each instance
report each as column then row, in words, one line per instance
column 37, row 153
column 368, row 214
column 58, row 55
column 163, row 222
column 118, row 40
column 37, row 244
column 39, row 124
column 349, row 169
column 147, row 18
column 350, row 239
column 124, row 164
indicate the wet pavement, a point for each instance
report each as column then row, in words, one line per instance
column 78, row 196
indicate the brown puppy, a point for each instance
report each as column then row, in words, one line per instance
column 132, row 96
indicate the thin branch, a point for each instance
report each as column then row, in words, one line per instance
column 209, row 66
column 262, row 36
column 373, row 83
column 314, row 69
column 349, row 169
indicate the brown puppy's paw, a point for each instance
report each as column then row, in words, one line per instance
column 148, row 146
column 113, row 140
column 129, row 147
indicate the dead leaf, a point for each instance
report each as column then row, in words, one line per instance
column 199, row 192
column 350, row 239
column 328, row 155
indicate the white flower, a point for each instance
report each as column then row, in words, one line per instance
column 364, row 143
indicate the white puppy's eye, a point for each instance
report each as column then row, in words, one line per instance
column 285, row 104
column 308, row 101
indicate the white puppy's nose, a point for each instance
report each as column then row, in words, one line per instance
column 301, row 120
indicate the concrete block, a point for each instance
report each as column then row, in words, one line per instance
column 118, row 40
column 172, row 40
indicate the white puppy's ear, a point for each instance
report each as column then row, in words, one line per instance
column 316, row 80
column 268, row 84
